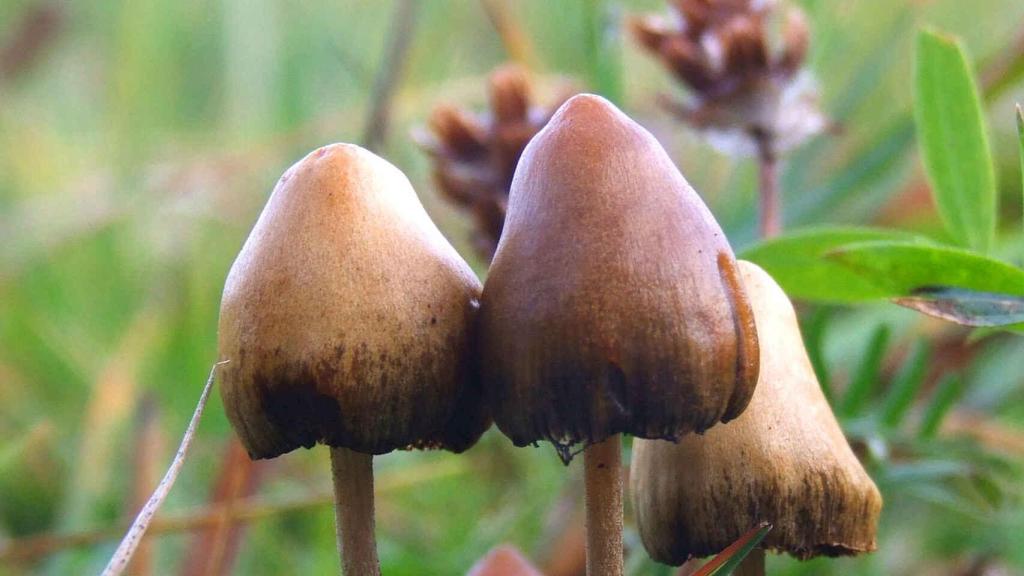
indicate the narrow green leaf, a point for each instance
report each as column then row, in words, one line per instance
column 814, row 337
column 906, row 385
column 953, row 141
column 727, row 560
column 966, row 307
column 797, row 262
column 899, row 269
column 868, row 374
column 945, row 396
column 604, row 53
column 1020, row 134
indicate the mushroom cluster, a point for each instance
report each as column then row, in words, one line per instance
column 614, row 305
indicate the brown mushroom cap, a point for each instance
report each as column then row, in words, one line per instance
column 347, row 317
column 612, row 304
column 784, row 461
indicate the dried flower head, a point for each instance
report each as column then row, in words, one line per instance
column 475, row 155
column 746, row 95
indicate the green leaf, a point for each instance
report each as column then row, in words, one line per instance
column 906, row 385
column 727, row 560
column 946, row 394
column 868, row 374
column 966, row 307
column 814, row 337
column 1020, row 134
column 953, row 141
column 797, row 262
column 898, row 269
column 604, row 53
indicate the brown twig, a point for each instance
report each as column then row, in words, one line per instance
column 400, row 38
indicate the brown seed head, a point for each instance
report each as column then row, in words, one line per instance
column 347, row 317
column 784, row 461
column 744, row 92
column 612, row 304
column 475, row 155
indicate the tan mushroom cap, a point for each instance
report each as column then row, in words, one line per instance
column 613, row 303
column 784, row 460
column 347, row 317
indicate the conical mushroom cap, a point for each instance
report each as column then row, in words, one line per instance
column 784, row 461
column 347, row 317
column 613, row 303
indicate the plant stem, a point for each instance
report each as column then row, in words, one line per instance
column 752, row 565
column 603, row 475
column 768, row 184
column 353, row 511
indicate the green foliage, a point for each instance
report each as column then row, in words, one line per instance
column 902, row 268
column 967, row 307
column 797, row 262
column 138, row 148
column 945, row 396
column 1020, row 135
column 954, row 144
column 603, row 41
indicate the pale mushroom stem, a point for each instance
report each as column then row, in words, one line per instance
column 602, row 464
column 352, row 473
column 752, row 565
column 768, row 185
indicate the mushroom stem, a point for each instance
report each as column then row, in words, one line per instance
column 603, row 474
column 352, row 473
column 768, row 185
column 752, row 565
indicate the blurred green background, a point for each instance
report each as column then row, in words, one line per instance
column 139, row 140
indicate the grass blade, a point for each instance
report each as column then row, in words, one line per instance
column 814, row 336
column 865, row 381
column 906, row 385
column 131, row 540
column 727, row 560
column 946, row 394
column 1020, row 134
column 602, row 39
column 954, row 144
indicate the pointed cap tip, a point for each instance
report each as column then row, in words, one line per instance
column 588, row 107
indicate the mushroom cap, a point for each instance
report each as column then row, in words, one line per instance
column 613, row 303
column 347, row 318
column 784, row 460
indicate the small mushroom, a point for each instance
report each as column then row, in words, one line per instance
column 347, row 319
column 783, row 461
column 612, row 306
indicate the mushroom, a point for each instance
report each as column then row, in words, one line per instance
column 347, row 319
column 612, row 306
column 784, row 461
